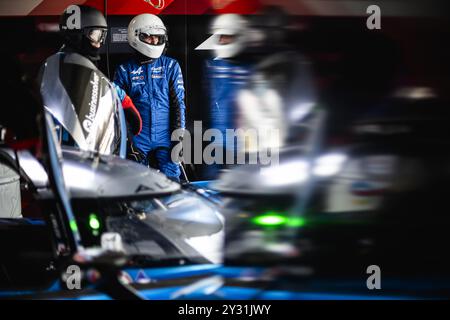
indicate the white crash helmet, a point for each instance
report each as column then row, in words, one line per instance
column 147, row 24
column 229, row 25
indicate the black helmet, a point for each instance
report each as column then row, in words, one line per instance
column 273, row 23
column 84, row 29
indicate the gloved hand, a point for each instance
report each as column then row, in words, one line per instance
column 134, row 153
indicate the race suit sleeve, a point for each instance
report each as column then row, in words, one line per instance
column 121, row 78
column 177, row 106
column 132, row 115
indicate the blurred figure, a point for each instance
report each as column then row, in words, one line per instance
column 280, row 94
column 227, row 72
column 155, row 83
column 259, row 84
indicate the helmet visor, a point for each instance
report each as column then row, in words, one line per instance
column 97, row 35
column 152, row 39
column 224, row 39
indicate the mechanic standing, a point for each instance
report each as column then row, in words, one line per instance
column 86, row 39
column 155, row 84
column 226, row 73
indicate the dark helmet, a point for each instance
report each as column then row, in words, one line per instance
column 273, row 23
column 84, row 29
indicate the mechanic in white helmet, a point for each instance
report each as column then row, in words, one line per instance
column 154, row 82
column 227, row 72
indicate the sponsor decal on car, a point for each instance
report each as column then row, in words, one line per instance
column 142, row 277
column 89, row 117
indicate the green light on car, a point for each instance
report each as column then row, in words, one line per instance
column 273, row 219
column 94, row 223
column 270, row 220
column 296, row 222
column 73, row 225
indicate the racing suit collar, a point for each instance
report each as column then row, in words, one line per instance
column 143, row 59
column 146, row 61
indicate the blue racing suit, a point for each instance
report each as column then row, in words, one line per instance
column 157, row 90
column 225, row 79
